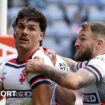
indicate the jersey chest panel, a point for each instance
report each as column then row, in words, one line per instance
column 15, row 78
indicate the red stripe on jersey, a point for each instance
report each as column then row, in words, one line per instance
column 13, row 60
column 16, row 61
column 45, row 49
column 35, row 79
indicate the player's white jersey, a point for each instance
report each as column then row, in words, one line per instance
column 95, row 94
column 14, row 78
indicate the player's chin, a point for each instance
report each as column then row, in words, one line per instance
column 77, row 57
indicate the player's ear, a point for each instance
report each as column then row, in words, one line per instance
column 42, row 34
column 100, row 42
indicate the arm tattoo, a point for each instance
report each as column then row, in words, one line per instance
column 73, row 67
column 55, row 74
column 67, row 79
column 87, row 78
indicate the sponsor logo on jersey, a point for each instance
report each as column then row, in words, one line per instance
column 90, row 98
column 16, row 93
column 63, row 66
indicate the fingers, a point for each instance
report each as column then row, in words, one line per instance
column 33, row 65
column 37, row 59
column 52, row 55
column 30, row 66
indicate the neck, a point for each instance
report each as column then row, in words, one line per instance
column 24, row 54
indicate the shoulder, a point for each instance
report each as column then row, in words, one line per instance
column 97, row 65
column 61, row 64
column 42, row 54
column 101, row 57
column 98, row 60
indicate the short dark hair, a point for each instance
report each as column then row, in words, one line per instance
column 98, row 28
column 31, row 13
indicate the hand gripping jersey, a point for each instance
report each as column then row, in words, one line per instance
column 18, row 84
column 94, row 94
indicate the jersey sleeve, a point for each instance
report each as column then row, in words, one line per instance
column 97, row 68
column 38, row 79
column 81, row 65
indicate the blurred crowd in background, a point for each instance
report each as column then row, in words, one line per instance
column 64, row 18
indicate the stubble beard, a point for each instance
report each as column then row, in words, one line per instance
column 84, row 56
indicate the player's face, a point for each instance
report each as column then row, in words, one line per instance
column 85, row 45
column 28, row 35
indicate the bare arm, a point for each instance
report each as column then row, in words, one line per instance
column 65, row 96
column 41, row 88
column 71, row 80
column 41, row 95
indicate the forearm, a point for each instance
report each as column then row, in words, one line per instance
column 65, row 79
column 70, row 80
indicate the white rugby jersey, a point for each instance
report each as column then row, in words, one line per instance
column 94, row 94
column 15, row 79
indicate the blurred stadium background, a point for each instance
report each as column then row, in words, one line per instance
column 64, row 18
